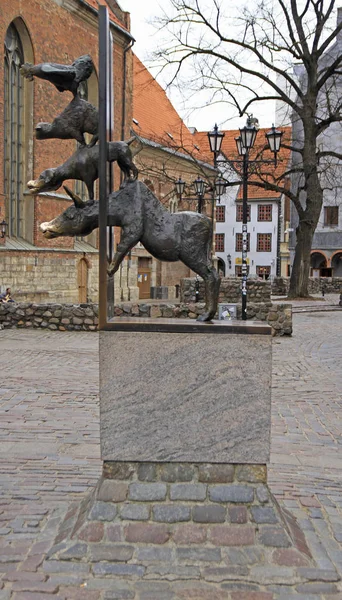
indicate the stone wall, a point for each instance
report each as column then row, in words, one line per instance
column 330, row 285
column 84, row 317
column 47, row 276
column 230, row 290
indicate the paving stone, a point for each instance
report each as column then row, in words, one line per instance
column 246, row 556
column 77, row 551
column 103, row 511
column 111, row 552
column 189, row 534
column 216, row 473
column 251, row 596
column 135, row 512
column 147, row 492
column 264, row 514
column 188, row 491
column 209, row 514
column 199, row 554
column 275, row 537
column 316, row 587
column 319, row 574
column 173, row 472
column 147, row 533
column 290, row 557
column 171, row 513
column 220, row 574
column 91, row 532
column 124, row 570
column 122, row 594
column 251, row 473
column 112, row 491
column 147, row 472
column 152, row 554
column 118, row 470
column 56, row 566
column 231, row 493
column 238, row 514
column 270, row 574
column 226, row 535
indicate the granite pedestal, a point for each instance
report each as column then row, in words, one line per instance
column 186, row 397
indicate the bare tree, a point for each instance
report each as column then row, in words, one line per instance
column 280, row 50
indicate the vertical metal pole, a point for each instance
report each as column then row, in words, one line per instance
column 278, row 267
column 110, row 132
column 244, row 236
column 103, row 151
column 199, row 204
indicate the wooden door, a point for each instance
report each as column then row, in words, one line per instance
column 144, row 278
column 82, row 280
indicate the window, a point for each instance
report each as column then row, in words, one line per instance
column 14, row 130
column 238, row 270
column 263, row 272
column 219, row 242
column 239, row 212
column 173, row 205
column 238, row 242
column 264, row 212
column 264, row 242
column 220, row 214
column 331, row 216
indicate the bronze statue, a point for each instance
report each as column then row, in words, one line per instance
column 184, row 236
column 78, row 118
column 63, row 77
column 84, row 165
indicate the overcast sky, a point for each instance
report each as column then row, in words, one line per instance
column 147, row 38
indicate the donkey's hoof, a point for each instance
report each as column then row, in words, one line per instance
column 206, row 317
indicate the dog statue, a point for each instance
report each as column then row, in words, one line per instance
column 84, row 165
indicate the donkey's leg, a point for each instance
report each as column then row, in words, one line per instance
column 129, row 238
column 203, row 267
column 212, row 286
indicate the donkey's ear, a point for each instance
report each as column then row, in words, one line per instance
column 77, row 200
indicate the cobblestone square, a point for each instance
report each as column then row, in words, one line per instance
column 50, row 459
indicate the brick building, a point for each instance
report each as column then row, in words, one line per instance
column 51, row 31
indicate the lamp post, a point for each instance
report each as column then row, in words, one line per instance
column 245, row 142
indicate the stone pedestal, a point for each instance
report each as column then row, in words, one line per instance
column 185, row 397
column 183, row 509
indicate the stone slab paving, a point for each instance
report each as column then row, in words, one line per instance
column 49, row 460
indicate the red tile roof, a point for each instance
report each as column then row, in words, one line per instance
column 267, row 172
column 157, row 118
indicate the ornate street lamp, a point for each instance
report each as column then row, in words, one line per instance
column 199, row 185
column 215, row 138
column 180, row 187
column 274, row 140
column 3, row 226
column 220, row 186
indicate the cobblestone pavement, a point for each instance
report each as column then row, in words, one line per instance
column 49, row 457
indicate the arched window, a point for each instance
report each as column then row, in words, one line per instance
column 14, row 131
column 173, row 205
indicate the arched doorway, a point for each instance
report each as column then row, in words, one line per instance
column 82, row 280
column 336, row 264
column 318, row 264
